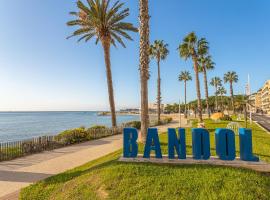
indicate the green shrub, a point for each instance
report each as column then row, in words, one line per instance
column 97, row 131
column 133, row 124
column 72, row 136
column 163, row 121
column 97, row 127
column 82, row 134
column 167, row 120
column 226, row 118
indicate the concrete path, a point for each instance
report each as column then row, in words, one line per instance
column 21, row 172
column 262, row 120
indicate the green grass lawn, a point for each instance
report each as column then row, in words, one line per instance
column 107, row 178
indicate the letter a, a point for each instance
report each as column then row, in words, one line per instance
column 152, row 143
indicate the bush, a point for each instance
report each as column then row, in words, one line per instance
column 97, row 131
column 97, row 127
column 133, row 124
column 226, row 118
column 72, row 136
column 167, row 120
column 163, row 121
column 82, row 134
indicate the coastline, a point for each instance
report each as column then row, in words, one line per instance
column 17, row 126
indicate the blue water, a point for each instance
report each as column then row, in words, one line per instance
column 24, row 125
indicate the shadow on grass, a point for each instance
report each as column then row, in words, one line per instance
column 69, row 175
column 66, row 176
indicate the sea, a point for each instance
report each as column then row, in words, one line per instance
column 16, row 126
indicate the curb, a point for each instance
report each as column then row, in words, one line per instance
column 262, row 127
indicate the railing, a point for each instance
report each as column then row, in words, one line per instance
column 12, row 150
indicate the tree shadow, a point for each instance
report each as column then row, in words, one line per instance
column 26, row 177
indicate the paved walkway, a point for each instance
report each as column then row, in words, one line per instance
column 21, row 172
column 262, row 120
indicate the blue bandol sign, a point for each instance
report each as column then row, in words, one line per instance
column 224, row 141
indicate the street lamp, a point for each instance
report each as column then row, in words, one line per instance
column 180, row 114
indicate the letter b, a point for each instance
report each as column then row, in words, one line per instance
column 130, row 142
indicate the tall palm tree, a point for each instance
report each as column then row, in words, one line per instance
column 159, row 51
column 144, row 65
column 216, row 82
column 185, row 76
column 205, row 64
column 231, row 77
column 192, row 47
column 99, row 19
column 221, row 91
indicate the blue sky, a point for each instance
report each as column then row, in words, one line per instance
column 41, row 70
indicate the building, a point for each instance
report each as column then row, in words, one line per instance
column 265, row 97
column 153, row 107
column 252, row 100
column 262, row 98
column 258, row 100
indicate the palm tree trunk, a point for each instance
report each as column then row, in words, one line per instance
column 232, row 99
column 222, row 103
column 216, row 99
column 144, row 66
column 158, row 91
column 185, row 99
column 206, row 91
column 198, row 89
column 106, row 46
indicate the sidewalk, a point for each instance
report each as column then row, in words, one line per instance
column 21, row 172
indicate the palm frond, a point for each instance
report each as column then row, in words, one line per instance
column 159, row 50
column 80, row 31
column 98, row 18
column 118, row 39
column 185, row 76
column 82, row 7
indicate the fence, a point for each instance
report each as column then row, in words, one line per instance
column 11, row 150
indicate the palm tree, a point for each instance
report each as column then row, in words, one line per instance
column 158, row 51
column 144, row 65
column 221, row 91
column 185, row 76
column 205, row 64
column 192, row 47
column 231, row 77
column 105, row 22
column 216, row 82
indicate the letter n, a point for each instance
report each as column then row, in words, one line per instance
column 152, row 143
column 200, row 144
column 245, row 140
column 176, row 144
column 225, row 144
column 130, row 142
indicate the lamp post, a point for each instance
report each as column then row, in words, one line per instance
column 180, row 114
